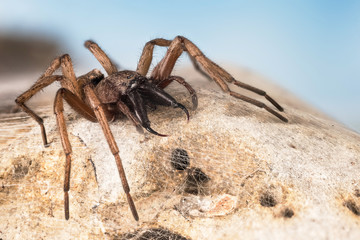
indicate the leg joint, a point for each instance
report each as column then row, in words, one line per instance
column 65, row 57
column 19, row 101
column 181, row 38
column 88, row 43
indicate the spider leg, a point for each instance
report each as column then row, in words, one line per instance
column 20, row 101
column 147, row 54
column 43, row 81
column 79, row 106
column 158, row 96
column 258, row 104
column 68, row 71
column 125, row 110
column 59, row 112
column 101, row 57
column 68, row 80
column 219, row 75
column 101, row 117
column 163, row 84
column 145, row 61
column 198, row 68
column 164, row 68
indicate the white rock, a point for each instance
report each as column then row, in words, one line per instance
column 297, row 180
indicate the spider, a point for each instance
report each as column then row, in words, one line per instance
column 104, row 99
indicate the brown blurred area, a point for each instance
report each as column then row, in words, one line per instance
column 25, row 53
column 23, row 57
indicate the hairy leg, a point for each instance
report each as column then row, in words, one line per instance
column 45, row 80
column 101, row 117
column 198, row 68
column 147, row 54
column 60, row 120
column 101, row 57
column 68, row 80
column 20, row 101
column 164, row 68
column 163, row 84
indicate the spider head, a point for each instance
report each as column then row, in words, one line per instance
column 131, row 80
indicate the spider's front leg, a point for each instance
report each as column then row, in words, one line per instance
column 79, row 106
column 101, row 117
column 87, row 112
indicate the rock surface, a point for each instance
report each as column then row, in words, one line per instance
column 250, row 176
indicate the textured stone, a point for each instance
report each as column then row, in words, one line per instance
column 260, row 177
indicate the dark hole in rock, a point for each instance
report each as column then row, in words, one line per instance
column 180, row 159
column 357, row 193
column 351, row 205
column 287, row 213
column 20, row 171
column 153, row 234
column 195, row 181
column 267, row 200
column 292, row 145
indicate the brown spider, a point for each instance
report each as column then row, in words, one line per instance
column 103, row 99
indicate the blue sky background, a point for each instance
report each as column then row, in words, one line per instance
column 311, row 48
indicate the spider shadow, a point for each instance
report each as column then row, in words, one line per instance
column 240, row 110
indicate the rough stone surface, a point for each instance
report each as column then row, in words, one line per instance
column 250, row 176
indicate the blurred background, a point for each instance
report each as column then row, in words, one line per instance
column 311, row 48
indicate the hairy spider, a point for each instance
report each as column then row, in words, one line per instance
column 103, row 99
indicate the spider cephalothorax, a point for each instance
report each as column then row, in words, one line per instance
column 102, row 99
column 137, row 92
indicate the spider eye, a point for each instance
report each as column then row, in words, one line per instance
column 132, row 84
column 129, row 76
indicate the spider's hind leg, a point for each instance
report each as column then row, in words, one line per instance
column 45, row 80
column 68, row 80
column 221, row 76
column 237, row 83
column 212, row 70
column 79, row 106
